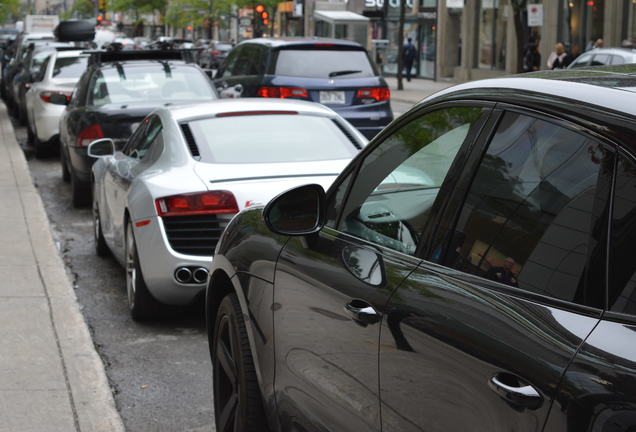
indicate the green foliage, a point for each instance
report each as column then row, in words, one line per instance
column 8, row 10
column 83, row 8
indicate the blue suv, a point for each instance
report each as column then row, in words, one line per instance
column 336, row 73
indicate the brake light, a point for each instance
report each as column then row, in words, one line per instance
column 89, row 134
column 283, row 92
column 199, row 203
column 374, row 94
column 215, row 52
column 46, row 96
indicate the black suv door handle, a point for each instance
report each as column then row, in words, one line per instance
column 515, row 391
column 362, row 312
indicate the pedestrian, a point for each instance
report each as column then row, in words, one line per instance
column 408, row 55
column 559, row 58
column 532, row 58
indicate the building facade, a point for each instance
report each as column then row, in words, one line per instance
column 471, row 39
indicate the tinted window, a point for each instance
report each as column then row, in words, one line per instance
column 249, row 61
column 152, row 82
column 529, row 219
column 584, row 60
column 601, row 59
column 617, row 60
column 38, row 60
column 322, row 63
column 69, row 67
column 391, row 199
column 622, row 290
column 146, row 139
column 270, row 139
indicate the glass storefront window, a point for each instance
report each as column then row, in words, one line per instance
column 581, row 24
column 410, row 31
column 491, row 36
column 628, row 37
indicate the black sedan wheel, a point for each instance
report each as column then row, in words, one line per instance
column 237, row 399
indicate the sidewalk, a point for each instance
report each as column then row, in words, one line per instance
column 51, row 377
column 416, row 89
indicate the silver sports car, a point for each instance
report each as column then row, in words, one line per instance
column 161, row 203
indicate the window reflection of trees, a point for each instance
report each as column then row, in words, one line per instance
column 532, row 202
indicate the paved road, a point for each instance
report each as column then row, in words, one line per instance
column 159, row 371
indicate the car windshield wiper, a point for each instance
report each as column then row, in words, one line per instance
column 342, row 72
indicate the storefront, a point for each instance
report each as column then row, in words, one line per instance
column 420, row 25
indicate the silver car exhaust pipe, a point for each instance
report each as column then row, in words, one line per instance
column 200, row 275
column 183, row 275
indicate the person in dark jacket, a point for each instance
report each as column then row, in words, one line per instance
column 409, row 55
column 532, row 58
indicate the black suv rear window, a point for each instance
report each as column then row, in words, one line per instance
column 323, row 63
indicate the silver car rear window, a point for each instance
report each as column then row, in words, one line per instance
column 69, row 67
column 270, row 139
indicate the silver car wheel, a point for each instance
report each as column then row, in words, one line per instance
column 131, row 267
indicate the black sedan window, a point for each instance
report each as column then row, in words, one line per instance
column 390, row 201
column 154, row 82
column 533, row 215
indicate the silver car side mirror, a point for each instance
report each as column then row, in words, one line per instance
column 101, row 148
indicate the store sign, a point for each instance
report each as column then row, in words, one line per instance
column 454, row 3
column 535, row 15
column 373, row 4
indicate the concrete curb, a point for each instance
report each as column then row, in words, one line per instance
column 91, row 400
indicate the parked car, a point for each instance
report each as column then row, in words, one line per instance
column 48, row 96
column 604, row 57
column 115, row 93
column 214, row 54
column 471, row 269
column 25, row 75
column 161, row 203
column 336, row 73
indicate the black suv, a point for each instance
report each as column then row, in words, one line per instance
column 472, row 269
column 336, row 73
column 116, row 92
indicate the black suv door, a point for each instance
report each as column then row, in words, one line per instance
column 598, row 392
column 330, row 289
column 480, row 333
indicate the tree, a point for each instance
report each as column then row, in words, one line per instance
column 9, row 10
column 80, row 8
column 518, row 7
column 400, row 45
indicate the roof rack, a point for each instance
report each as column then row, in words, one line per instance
column 98, row 57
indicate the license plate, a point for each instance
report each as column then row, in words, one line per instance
column 332, row 97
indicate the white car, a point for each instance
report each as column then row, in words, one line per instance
column 161, row 204
column 49, row 94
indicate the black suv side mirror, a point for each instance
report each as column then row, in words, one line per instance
column 297, row 212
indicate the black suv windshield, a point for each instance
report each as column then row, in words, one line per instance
column 323, row 63
column 157, row 82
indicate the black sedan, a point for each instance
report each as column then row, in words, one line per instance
column 117, row 91
column 335, row 73
column 471, row 270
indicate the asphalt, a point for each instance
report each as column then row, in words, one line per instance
column 51, row 377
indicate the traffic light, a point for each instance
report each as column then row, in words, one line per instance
column 103, row 4
column 262, row 20
column 100, row 18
